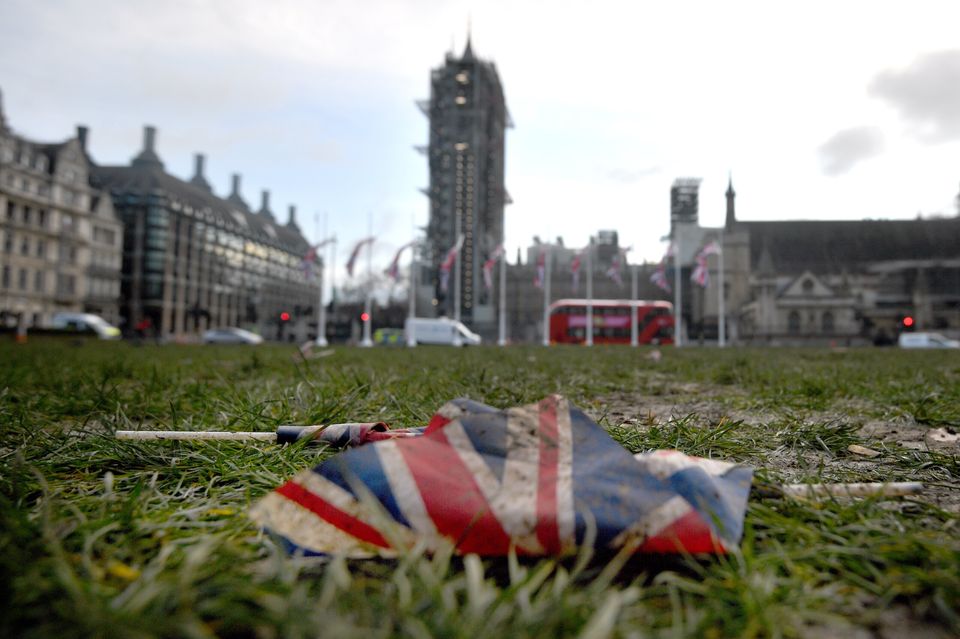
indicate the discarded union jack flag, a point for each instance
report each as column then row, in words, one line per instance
column 542, row 478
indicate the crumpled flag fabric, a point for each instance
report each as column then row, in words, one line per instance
column 342, row 435
column 543, row 478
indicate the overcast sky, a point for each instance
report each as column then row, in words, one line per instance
column 831, row 110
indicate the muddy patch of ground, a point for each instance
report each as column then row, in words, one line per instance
column 791, row 442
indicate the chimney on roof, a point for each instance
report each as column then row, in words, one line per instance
column 293, row 216
column 235, row 198
column 82, row 134
column 265, row 204
column 198, row 178
column 148, row 158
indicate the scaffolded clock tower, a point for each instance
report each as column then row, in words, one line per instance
column 468, row 121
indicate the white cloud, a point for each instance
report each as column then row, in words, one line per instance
column 926, row 94
column 848, row 147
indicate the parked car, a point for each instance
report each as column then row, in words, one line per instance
column 440, row 330
column 231, row 335
column 389, row 337
column 926, row 340
column 85, row 323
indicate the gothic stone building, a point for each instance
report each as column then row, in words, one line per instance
column 817, row 281
column 468, row 119
column 60, row 240
column 193, row 260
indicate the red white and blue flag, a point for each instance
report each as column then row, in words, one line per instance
column 541, row 273
column 659, row 278
column 701, row 273
column 575, row 267
column 447, row 265
column 311, row 257
column 543, row 479
column 356, row 252
column 393, row 271
column 489, row 264
column 616, row 266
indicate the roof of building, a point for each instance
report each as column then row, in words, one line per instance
column 822, row 246
column 151, row 179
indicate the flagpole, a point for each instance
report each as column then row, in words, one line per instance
column 677, row 299
column 412, row 305
column 546, row 295
column 333, row 280
column 589, row 341
column 502, row 341
column 633, row 306
column 721, row 303
column 321, row 311
column 456, row 270
column 367, row 342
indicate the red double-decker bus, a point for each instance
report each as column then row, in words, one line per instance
column 611, row 321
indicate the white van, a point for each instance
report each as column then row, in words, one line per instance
column 85, row 322
column 440, row 330
column 926, row 340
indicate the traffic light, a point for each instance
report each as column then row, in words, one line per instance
column 364, row 317
column 284, row 316
column 907, row 323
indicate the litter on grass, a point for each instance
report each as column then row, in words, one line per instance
column 542, row 478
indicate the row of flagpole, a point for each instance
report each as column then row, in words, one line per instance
column 542, row 280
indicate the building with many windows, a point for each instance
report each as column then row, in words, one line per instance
column 60, row 240
column 193, row 260
column 823, row 281
column 468, row 121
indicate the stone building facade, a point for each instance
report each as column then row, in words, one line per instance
column 60, row 239
column 466, row 154
column 193, row 260
column 525, row 300
column 819, row 281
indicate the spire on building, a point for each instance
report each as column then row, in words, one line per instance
column 3, row 117
column 148, row 158
column 198, row 178
column 235, row 198
column 731, row 209
column 265, row 205
column 468, row 50
column 765, row 266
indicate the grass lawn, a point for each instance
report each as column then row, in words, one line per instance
column 106, row 538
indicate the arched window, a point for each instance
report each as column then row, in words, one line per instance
column 826, row 323
column 793, row 323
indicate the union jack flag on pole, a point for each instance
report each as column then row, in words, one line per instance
column 575, row 267
column 393, row 271
column 541, row 268
column 311, row 256
column 659, row 278
column 543, row 479
column 616, row 266
column 356, row 252
column 700, row 274
column 489, row 264
column 448, row 263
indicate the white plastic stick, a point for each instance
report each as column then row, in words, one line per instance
column 818, row 491
column 186, row 435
